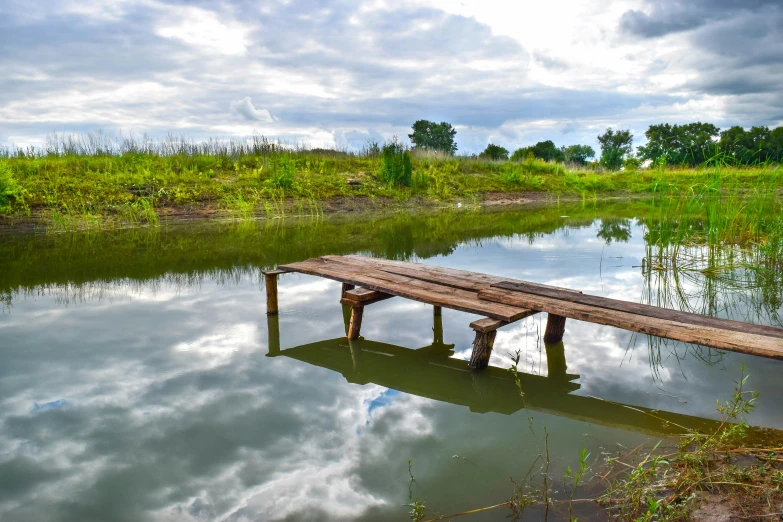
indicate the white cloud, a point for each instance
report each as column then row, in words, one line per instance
column 248, row 111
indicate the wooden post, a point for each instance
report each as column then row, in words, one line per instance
column 270, row 280
column 555, row 360
column 437, row 326
column 486, row 330
column 555, row 328
column 346, row 287
column 347, row 318
column 482, row 349
column 273, row 332
column 356, row 322
column 436, row 311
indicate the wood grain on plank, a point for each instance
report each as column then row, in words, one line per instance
column 642, row 309
column 409, row 288
column 687, row 332
column 487, row 325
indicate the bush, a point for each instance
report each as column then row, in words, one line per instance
column 9, row 189
column 494, row 153
column 632, row 164
column 396, row 166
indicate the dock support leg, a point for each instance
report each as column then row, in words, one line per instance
column 273, row 332
column 437, row 311
column 270, row 279
column 437, row 326
column 346, row 287
column 555, row 361
column 482, row 349
column 555, row 328
column 347, row 318
column 356, row 322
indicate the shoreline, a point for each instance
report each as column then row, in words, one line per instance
column 40, row 220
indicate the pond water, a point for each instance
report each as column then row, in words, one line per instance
column 140, row 378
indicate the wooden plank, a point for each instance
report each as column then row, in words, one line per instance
column 409, row 288
column 643, row 309
column 272, row 272
column 445, row 276
column 363, row 294
column 380, row 297
column 690, row 333
column 487, row 325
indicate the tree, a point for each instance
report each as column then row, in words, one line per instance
column 614, row 147
column 547, row 151
column 577, row 154
column 429, row 135
column 522, row 153
column 691, row 144
column 494, row 153
column 776, row 145
column 747, row 147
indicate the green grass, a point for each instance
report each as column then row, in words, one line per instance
column 133, row 186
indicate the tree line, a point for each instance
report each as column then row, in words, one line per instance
column 690, row 144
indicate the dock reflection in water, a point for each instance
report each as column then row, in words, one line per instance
column 433, row 373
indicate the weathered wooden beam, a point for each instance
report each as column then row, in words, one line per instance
column 555, row 328
column 346, row 287
column 487, row 324
column 724, row 339
column 270, row 281
column 355, row 327
column 363, row 297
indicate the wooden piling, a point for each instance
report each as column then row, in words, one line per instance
column 354, row 329
column 555, row 328
column 273, row 332
column 346, row 287
column 437, row 326
column 482, row 349
column 437, row 311
column 270, row 280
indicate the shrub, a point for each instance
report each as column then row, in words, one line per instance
column 9, row 189
column 632, row 164
column 494, row 153
column 396, row 166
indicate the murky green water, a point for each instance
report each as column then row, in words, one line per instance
column 141, row 380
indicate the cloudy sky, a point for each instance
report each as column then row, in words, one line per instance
column 340, row 72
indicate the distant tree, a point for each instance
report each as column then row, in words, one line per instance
column 433, row 136
column 748, row 147
column 691, row 144
column 577, row 154
column 615, row 146
column 776, row 145
column 547, row 151
column 494, row 153
column 522, row 153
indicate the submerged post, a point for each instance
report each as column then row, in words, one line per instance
column 273, row 334
column 555, row 328
column 356, row 322
column 270, row 281
column 486, row 330
column 437, row 311
column 482, row 349
column 437, row 326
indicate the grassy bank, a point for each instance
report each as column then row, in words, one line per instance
column 86, row 190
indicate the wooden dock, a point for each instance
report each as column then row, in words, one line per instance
column 502, row 301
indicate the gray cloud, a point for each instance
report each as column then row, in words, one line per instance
column 329, row 73
column 248, row 111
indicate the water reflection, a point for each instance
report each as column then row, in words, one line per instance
column 135, row 382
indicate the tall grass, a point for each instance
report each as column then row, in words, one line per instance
column 109, row 175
